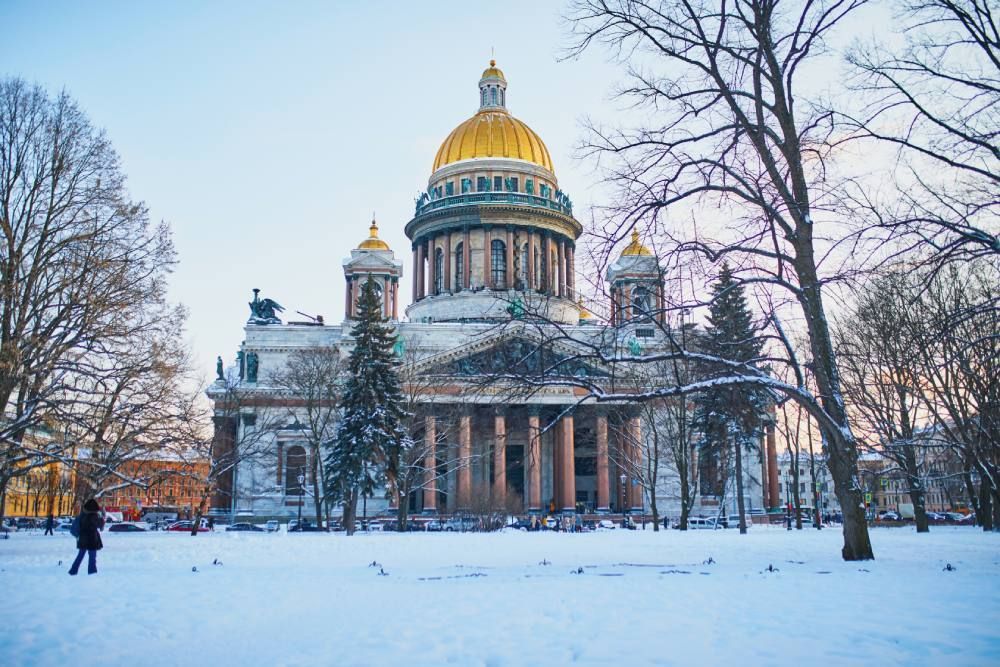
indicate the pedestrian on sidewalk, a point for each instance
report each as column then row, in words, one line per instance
column 88, row 539
column 49, row 524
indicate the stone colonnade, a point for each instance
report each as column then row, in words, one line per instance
column 563, row 474
column 553, row 272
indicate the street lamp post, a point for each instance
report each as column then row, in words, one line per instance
column 623, row 479
column 301, row 479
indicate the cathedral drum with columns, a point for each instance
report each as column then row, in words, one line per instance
column 492, row 233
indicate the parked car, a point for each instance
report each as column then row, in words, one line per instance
column 606, row 524
column 959, row 518
column 461, row 524
column 702, row 523
column 889, row 515
column 272, row 526
column 185, row 526
column 305, row 527
column 244, row 527
column 127, row 528
column 520, row 524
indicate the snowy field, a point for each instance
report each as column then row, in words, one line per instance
column 504, row 599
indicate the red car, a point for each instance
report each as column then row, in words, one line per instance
column 185, row 527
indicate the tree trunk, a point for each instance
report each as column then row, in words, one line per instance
column 970, row 490
column 685, row 502
column 841, row 445
column 857, row 542
column 315, row 484
column 796, row 498
column 196, row 522
column 3, row 499
column 350, row 511
column 916, row 490
column 986, row 507
column 739, row 485
column 403, row 510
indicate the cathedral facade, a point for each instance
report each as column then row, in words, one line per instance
column 492, row 236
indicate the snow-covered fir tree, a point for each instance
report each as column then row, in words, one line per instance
column 731, row 418
column 370, row 431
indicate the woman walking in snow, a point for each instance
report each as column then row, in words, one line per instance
column 88, row 539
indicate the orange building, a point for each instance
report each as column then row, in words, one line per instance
column 171, row 483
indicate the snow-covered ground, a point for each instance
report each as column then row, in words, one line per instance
column 504, row 599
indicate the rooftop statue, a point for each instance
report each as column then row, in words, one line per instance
column 264, row 311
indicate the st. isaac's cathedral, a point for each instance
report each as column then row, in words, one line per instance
column 492, row 233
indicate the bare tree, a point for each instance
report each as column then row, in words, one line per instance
column 311, row 382
column 421, row 461
column 960, row 369
column 727, row 130
column 79, row 262
column 936, row 100
column 877, row 346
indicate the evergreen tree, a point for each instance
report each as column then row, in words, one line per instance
column 731, row 418
column 370, row 431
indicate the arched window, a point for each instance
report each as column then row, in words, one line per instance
column 501, row 97
column 498, row 263
column 641, row 302
column 295, row 467
column 493, row 95
column 459, row 265
column 438, row 270
column 483, row 103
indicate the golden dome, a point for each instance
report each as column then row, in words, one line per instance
column 493, row 72
column 373, row 242
column 635, row 248
column 493, row 133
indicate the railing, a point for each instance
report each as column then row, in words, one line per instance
column 428, row 205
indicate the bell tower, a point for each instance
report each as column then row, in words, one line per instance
column 374, row 260
column 636, row 285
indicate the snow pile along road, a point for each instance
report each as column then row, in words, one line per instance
column 606, row 598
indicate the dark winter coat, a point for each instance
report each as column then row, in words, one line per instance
column 91, row 523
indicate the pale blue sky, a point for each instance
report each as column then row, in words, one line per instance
column 266, row 133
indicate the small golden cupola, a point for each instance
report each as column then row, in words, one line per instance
column 373, row 242
column 635, row 248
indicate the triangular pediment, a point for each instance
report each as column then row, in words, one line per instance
column 371, row 260
column 510, row 354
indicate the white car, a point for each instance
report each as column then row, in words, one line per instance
column 606, row 524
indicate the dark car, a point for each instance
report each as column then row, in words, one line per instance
column 244, row 527
column 304, row 527
column 125, row 528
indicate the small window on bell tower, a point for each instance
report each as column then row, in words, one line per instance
column 493, row 95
